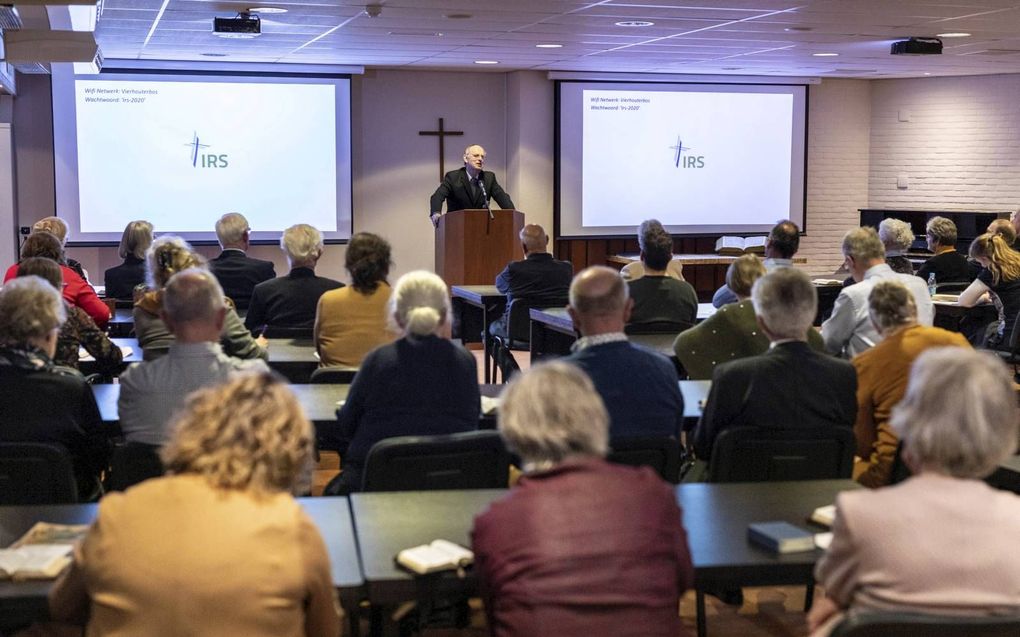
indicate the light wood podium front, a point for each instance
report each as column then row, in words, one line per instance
column 472, row 248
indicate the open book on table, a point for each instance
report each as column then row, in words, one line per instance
column 42, row 552
column 438, row 555
column 736, row 246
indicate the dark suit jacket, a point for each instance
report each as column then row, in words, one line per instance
column 121, row 280
column 458, row 193
column 788, row 386
column 949, row 267
column 585, row 548
column 238, row 274
column 288, row 301
column 539, row 279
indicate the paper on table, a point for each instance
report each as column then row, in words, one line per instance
column 83, row 355
column 490, row 405
column 823, row 540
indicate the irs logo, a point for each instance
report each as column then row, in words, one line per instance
column 686, row 161
column 207, row 160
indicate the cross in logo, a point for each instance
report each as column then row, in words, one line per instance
column 679, row 149
column 194, row 149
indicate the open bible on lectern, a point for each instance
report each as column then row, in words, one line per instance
column 472, row 246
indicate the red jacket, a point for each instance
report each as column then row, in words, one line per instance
column 77, row 291
column 587, row 548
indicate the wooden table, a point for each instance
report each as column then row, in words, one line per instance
column 475, row 307
column 716, row 517
column 24, row 602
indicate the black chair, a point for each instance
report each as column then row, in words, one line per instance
column 467, row 460
column 36, row 473
column 275, row 331
column 661, row 453
column 337, row 375
column 133, row 462
column 759, row 454
column 889, row 624
column 503, row 362
column 657, row 327
column 518, row 324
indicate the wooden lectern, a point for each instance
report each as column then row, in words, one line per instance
column 471, row 248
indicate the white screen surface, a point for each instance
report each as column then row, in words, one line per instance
column 703, row 159
column 181, row 150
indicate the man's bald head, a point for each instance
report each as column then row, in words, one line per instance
column 193, row 295
column 534, row 238
column 599, row 294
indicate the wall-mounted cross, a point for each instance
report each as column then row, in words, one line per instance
column 442, row 133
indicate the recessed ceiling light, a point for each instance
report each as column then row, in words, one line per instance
column 797, row 29
column 825, row 55
column 456, row 16
column 953, row 35
column 486, row 62
column 549, row 46
column 927, row 73
column 266, row 10
column 214, row 55
column 634, row 23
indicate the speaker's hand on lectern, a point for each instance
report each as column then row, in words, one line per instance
column 435, row 218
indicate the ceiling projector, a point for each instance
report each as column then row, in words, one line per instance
column 245, row 25
column 917, row 46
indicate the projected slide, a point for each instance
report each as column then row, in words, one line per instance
column 702, row 159
column 205, row 149
column 182, row 150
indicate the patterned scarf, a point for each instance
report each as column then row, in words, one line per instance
column 25, row 356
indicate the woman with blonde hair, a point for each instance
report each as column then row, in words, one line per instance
column 121, row 280
column 225, row 548
column 421, row 384
column 1000, row 279
column 167, row 256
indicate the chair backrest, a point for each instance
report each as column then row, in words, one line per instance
column 657, row 327
column 276, row 331
column 467, row 460
column 133, row 462
column 36, row 473
column 888, row 624
column 518, row 325
column 661, row 453
column 760, row 454
column 338, row 375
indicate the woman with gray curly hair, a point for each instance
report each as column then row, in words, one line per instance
column 580, row 546
column 935, row 543
column 43, row 402
column 224, row 548
column 897, row 236
column 419, row 385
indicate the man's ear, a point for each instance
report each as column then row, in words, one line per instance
column 221, row 318
column 170, row 326
column 762, row 326
column 573, row 316
column 628, row 307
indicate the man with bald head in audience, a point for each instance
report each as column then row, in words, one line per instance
column 539, row 279
column 639, row 387
column 789, row 386
column 780, row 246
column 150, row 392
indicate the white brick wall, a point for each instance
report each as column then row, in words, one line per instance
column 839, row 120
column 959, row 150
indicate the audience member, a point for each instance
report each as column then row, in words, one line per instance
column 897, row 236
column 780, row 246
column 77, row 290
column 657, row 297
column 58, row 228
column 882, row 373
column 194, row 312
column 1000, row 276
column 638, row 386
column 421, row 384
column 122, row 280
column 580, row 547
column 219, row 546
column 167, row 256
column 1006, row 228
column 933, row 544
column 42, row 402
column 79, row 330
column 791, row 385
column 849, row 331
column 948, row 265
column 636, row 269
column 350, row 322
column 290, row 301
column 539, row 279
column 238, row 273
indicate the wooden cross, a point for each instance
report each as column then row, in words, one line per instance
column 442, row 134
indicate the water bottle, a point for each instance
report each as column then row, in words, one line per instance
column 931, row 284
